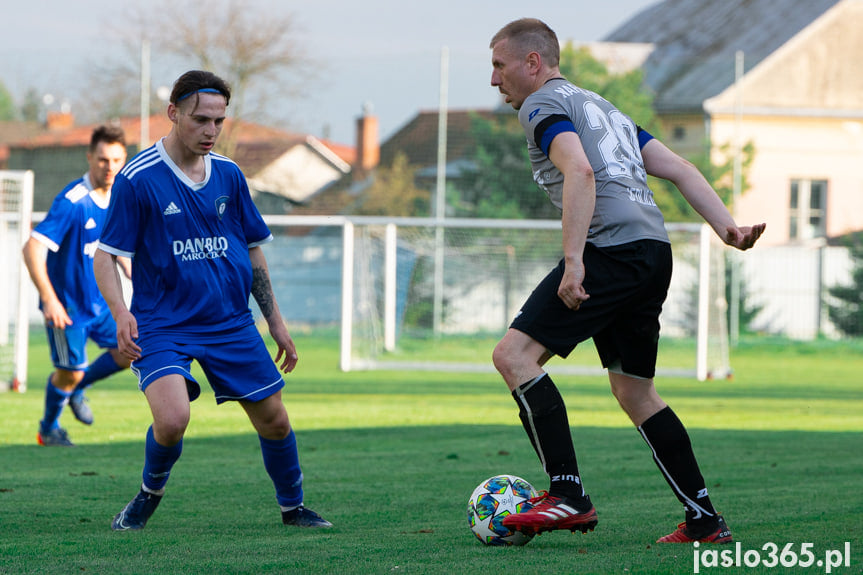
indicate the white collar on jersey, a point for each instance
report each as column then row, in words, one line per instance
column 160, row 146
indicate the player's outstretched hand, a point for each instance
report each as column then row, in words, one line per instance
column 745, row 237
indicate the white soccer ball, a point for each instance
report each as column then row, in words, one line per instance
column 494, row 499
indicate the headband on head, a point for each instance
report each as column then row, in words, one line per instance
column 204, row 90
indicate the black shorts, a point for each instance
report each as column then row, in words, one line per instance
column 627, row 285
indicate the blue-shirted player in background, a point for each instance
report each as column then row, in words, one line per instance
column 69, row 298
column 185, row 217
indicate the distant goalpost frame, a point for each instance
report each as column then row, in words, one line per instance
column 16, row 209
column 389, row 293
column 387, row 283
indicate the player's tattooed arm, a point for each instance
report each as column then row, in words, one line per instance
column 262, row 291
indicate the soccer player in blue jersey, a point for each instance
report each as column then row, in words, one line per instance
column 592, row 161
column 185, row 217
column 69, row 298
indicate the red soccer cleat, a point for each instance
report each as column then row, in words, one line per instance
column 550, row 513
column 57, row 437
column 719, row 534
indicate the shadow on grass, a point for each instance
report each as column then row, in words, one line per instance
column 398, row 495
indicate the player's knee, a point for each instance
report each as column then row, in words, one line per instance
column 170, row 431
column 66, row 380
column 502, row 358
column 170, row 436
column 513, row 363
column 275, row 430
column 270, row 418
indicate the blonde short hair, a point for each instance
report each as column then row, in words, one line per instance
column 531, row 35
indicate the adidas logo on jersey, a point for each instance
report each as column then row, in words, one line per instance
column 171, row 209
column 91, row 223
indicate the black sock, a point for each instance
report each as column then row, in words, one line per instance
column 543, row 415
column 672, row 451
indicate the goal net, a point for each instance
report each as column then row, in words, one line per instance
column 16, row 204
column 421, row 294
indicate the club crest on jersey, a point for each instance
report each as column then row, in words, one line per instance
column 221, row 206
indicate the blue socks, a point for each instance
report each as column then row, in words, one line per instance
column 158, row 462
column 55, row 400
column 283, row 466
column 280, row 460
column 99, row 369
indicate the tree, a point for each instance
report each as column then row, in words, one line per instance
column 846, row 312
column 626, row 91
column 629, row 95
column 748, row 307
column 7, row 104
column 721, row 177
column 251, row 45
column 393, row 192
column 32, row 108
column 500, row 185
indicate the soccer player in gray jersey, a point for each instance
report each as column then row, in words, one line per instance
column 592, row 161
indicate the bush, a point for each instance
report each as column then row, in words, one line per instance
column 846, row 306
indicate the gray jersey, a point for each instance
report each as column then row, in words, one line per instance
column 625, row 210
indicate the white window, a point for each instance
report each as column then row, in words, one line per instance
column 808, row 209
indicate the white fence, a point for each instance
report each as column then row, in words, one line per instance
column 790, row 283
column 310, row 277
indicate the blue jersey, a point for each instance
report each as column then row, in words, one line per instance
column 189, row 243
column 71, row 231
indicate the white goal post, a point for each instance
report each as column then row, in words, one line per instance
column 410, row 286
column 16, row 207
column 413, row 293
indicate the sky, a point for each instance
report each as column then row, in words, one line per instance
column 382, row 54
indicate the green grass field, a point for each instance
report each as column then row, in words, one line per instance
column 391, row 458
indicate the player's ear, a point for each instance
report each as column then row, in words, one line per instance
column 173, row 112
column 534, row 61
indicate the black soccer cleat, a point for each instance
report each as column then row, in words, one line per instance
column 80, row 409
column 57, row 437
column 137, row 512
column 303, row 517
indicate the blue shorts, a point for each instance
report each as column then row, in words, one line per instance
column 69, row 345
column 239, row 369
